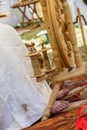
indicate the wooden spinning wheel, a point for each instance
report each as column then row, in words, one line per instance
column 61, row 32
column 58, row 21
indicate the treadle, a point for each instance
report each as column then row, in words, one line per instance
column 74, row 92
column 64, row 75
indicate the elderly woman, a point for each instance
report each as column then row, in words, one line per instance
column 22, row 99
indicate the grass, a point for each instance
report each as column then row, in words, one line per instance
column 33, row 32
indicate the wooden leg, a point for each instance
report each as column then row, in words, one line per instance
column 23, row 16
column 52, row 99
column 82, row 30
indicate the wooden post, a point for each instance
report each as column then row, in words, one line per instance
column 71, row 31
column 23, row 16
column 82, row 30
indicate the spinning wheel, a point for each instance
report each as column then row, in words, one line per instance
column 59, row 25
column 61, row 32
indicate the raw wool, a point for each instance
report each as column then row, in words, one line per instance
column 18, row 88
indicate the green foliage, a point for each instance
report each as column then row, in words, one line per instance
column 33, row 32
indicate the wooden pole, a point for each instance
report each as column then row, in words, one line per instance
column 82, row 30
column 23, row 16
